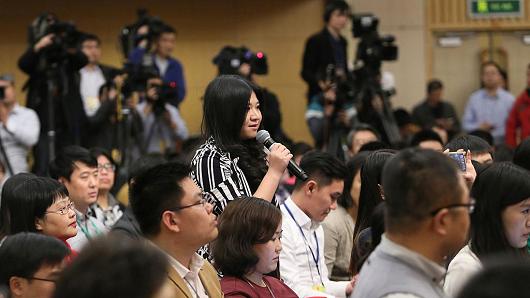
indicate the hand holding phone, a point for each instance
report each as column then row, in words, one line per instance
column 460, row 158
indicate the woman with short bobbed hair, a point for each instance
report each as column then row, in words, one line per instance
column 37, row 204
column 500, row 222
column 248, row 247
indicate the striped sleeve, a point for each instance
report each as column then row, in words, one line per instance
column 213, row 174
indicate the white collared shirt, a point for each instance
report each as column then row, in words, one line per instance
column 297, row 264
column 190, row 276
column 91, row 81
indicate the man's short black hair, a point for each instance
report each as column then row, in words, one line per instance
column 114, row 267
column 64, row 163
column 434, row 85
column 521, row 156
column 333, row 5
column 415, row 182
column 23, row 254
column 425, row 135
column 485, row 135
column 90, row 37
column 321, row 167
column 165, row 29
column 468, row 142
column 154, row 191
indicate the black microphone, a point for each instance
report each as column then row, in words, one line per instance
column 264, row 137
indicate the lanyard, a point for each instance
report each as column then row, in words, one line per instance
column 316, row 259
column 85, row 229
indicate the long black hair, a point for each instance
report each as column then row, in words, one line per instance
column 497, row 187
column 225, row 108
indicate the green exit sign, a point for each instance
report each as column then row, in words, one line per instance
column 495, row 8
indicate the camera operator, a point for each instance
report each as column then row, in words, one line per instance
column 328, row 47
column 163, row 127
column 52, row 62
column 167, row 67
column 19, row 128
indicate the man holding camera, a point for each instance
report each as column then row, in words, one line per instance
column 167, row 67
column 164, row 128
column 52, row 62
column 19, row 128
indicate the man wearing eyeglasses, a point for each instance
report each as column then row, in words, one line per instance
column 30, row 264
column 426, row 220
column 174, row 216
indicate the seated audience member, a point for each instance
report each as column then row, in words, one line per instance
column 77, row 169
column 174, row 216
column 340, row 223
column 499, row 224
column 427, row 139
column 504, row 278
column 370, row 196
column 248, row 247
column 106, row 209
column 481, row 151
column 486, row 136
column 19, row 130
column 488, row 108
column 361, row 134
column 434, row 111
column 127, row 225
column 302, row 263
column 426, row 218
column 39, row 205
column 114, row 267
column 521, row 155
column 407, row 128
column 31, row 264
column 7, row 191
column 374, row 146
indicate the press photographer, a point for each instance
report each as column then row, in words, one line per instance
column 163, row 127
column 19, row 129
column 52, row 61
column 153, row 43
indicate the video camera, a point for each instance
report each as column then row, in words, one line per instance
column 129, row 37
column 372, row 48
column 231, row 58
column 165, row 92
column 66, row 35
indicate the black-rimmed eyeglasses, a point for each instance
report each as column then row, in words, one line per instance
column 200, row 202
column 64, row 210
column 470, row 206
column 41, row 279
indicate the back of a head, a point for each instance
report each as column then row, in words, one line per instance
column 24, row 253
column 154, row 191
column 505, row 278
column 244, row 222
column 468, row 142
column 144, row 163
column 64, row 163
column 360, row 127
column 425, row 135
column 521, row 155
column 485, row 135
column 417, row 181
column 28, row 200
column 495, row 188
column 321, row 167
column 434, row 85
column 114, row 267
column 8, row 190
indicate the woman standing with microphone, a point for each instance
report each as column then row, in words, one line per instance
column 231, row 163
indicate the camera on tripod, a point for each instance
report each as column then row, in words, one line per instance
column 164, row 92
column 66, row 36
column 231, row 58
column 130, row 37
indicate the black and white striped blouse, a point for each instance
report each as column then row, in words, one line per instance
column 218, row 175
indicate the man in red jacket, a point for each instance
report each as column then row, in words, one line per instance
column 518, row 123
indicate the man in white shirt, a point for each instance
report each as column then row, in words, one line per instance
column 19, row 129
column 174, row 216
column 302, row 263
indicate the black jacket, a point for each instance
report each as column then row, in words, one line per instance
column 318, row 54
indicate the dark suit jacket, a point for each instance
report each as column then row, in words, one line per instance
column 318, row 54
column 208, row 277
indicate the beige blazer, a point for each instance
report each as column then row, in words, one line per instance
column 208, row 277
